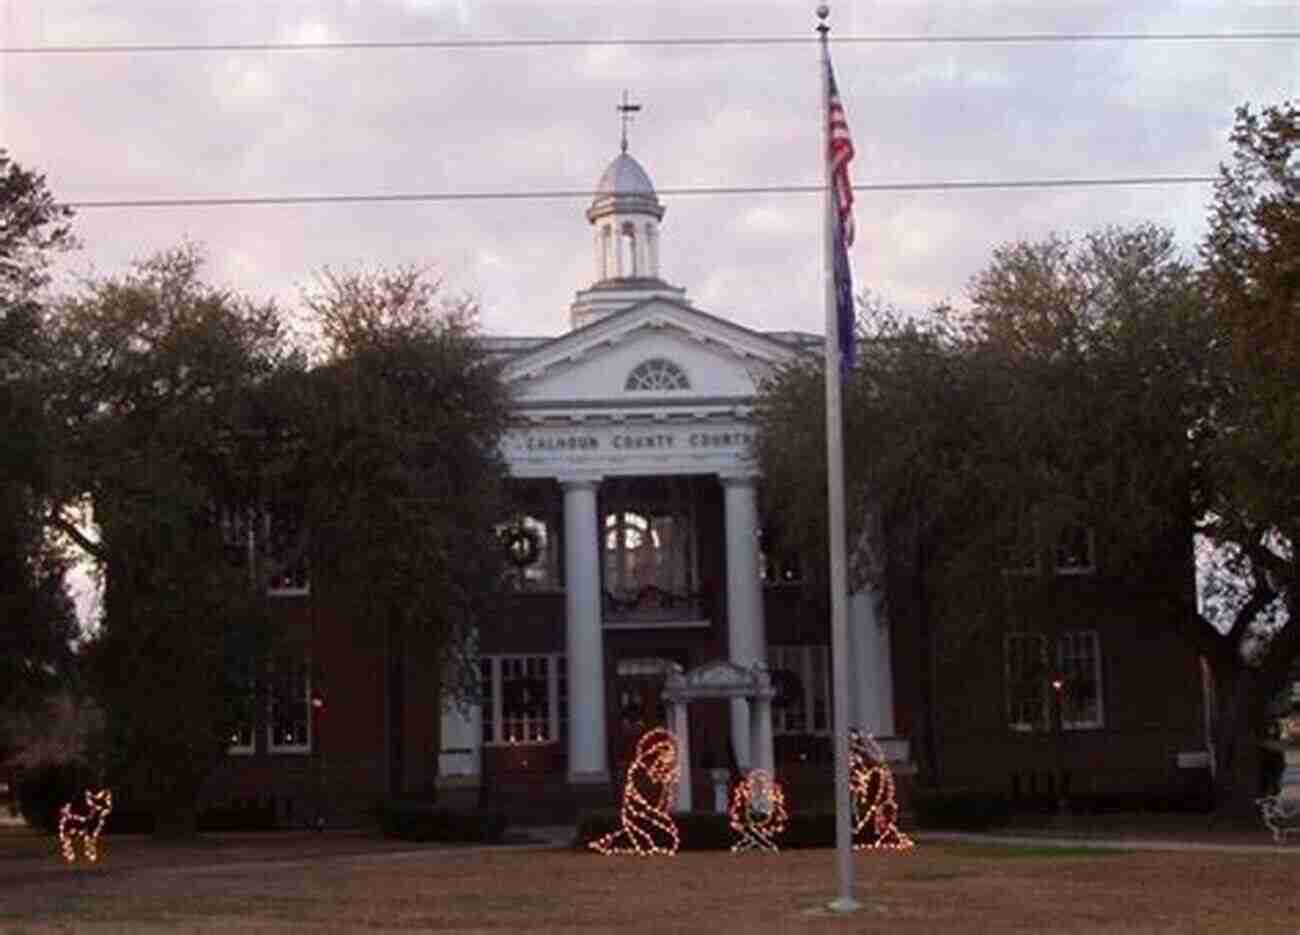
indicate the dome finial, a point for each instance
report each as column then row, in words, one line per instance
column 626, row 110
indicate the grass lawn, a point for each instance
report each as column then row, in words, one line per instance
column 340, row 882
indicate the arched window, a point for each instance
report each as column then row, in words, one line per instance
column 657, row 373
column 647, row 550
column 627, row 250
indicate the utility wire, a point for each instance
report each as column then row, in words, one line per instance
column 680, row 41
column 398, row 197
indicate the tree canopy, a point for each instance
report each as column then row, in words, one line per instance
column 37, row 622
column 152, row 373
column 406, row 481
column 1251, row 282
column 1104, row 382
column 401, row 474
column 979, row 440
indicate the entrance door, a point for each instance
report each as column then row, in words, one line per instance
column 638, row 705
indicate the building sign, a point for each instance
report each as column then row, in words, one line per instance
column 634, row 441
column 562, row 443
column 529, row 450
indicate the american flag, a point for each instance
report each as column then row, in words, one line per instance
column 839, row 154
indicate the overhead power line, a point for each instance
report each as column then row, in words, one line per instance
column 678, row 41
column 399, row 197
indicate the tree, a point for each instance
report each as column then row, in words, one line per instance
column 37, row 623
column 403, row 480
column 1060, row 398
column 1251, row 279
column 151, row 379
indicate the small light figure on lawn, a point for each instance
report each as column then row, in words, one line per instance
column 74, row 826
column 646, row 828
column 758, row 813
column 871, row 789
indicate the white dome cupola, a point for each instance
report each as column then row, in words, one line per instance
column 624, row 215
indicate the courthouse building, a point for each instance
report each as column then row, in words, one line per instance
column 640, row 561
column 643, row 593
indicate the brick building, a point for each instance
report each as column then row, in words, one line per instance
column 638, row 559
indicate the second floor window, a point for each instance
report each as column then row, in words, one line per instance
column 271, row 541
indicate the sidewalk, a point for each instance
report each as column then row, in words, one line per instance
column 1023, row 839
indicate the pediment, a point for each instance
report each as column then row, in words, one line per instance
column 717, row 359
column 719, row 679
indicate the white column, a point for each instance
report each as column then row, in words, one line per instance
column 583, row 640
column 460, row 759
column 652, row 250
column 760, row 736
column 680, row 719
column 872, row 677
column 746, row 635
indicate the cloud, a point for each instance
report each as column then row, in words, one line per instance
column 516, row 120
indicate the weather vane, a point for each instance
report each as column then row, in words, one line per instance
column 626, row 110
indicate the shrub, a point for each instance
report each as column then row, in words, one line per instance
column 43, row 791
column 959, row 808
column 422, row 821
column 709, row 831
column 237, row 818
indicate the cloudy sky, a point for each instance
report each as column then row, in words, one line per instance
column 230, row 123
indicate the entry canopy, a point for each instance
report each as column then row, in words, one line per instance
column 719, row 679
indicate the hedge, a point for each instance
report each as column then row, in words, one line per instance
column 422, row 821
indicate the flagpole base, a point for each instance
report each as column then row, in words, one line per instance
column 844, row 904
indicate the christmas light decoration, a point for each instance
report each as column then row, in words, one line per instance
column 74, row 827
column 646, row 828
column 1281, row 816
column 758, row 812
column 871, row 790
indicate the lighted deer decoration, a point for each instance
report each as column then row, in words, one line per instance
column 86, row 828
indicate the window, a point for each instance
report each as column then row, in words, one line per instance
column 649, row 563
column 800, row 675
column 775, row 565
column 272, row 541
column 288, row 729
column 1076, row 681
column 241, row 735
column 532, row 553
column 1074, row 551
column 285, row 552
column 525, row 699
column 655, row 374
column 1026, row 673
column 648, row 552
column 645, row 550
column 1079, row 658
column 627, row 251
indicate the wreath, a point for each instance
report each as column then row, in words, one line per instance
column 523, row 545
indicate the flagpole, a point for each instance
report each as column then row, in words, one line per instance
column 835, row 511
